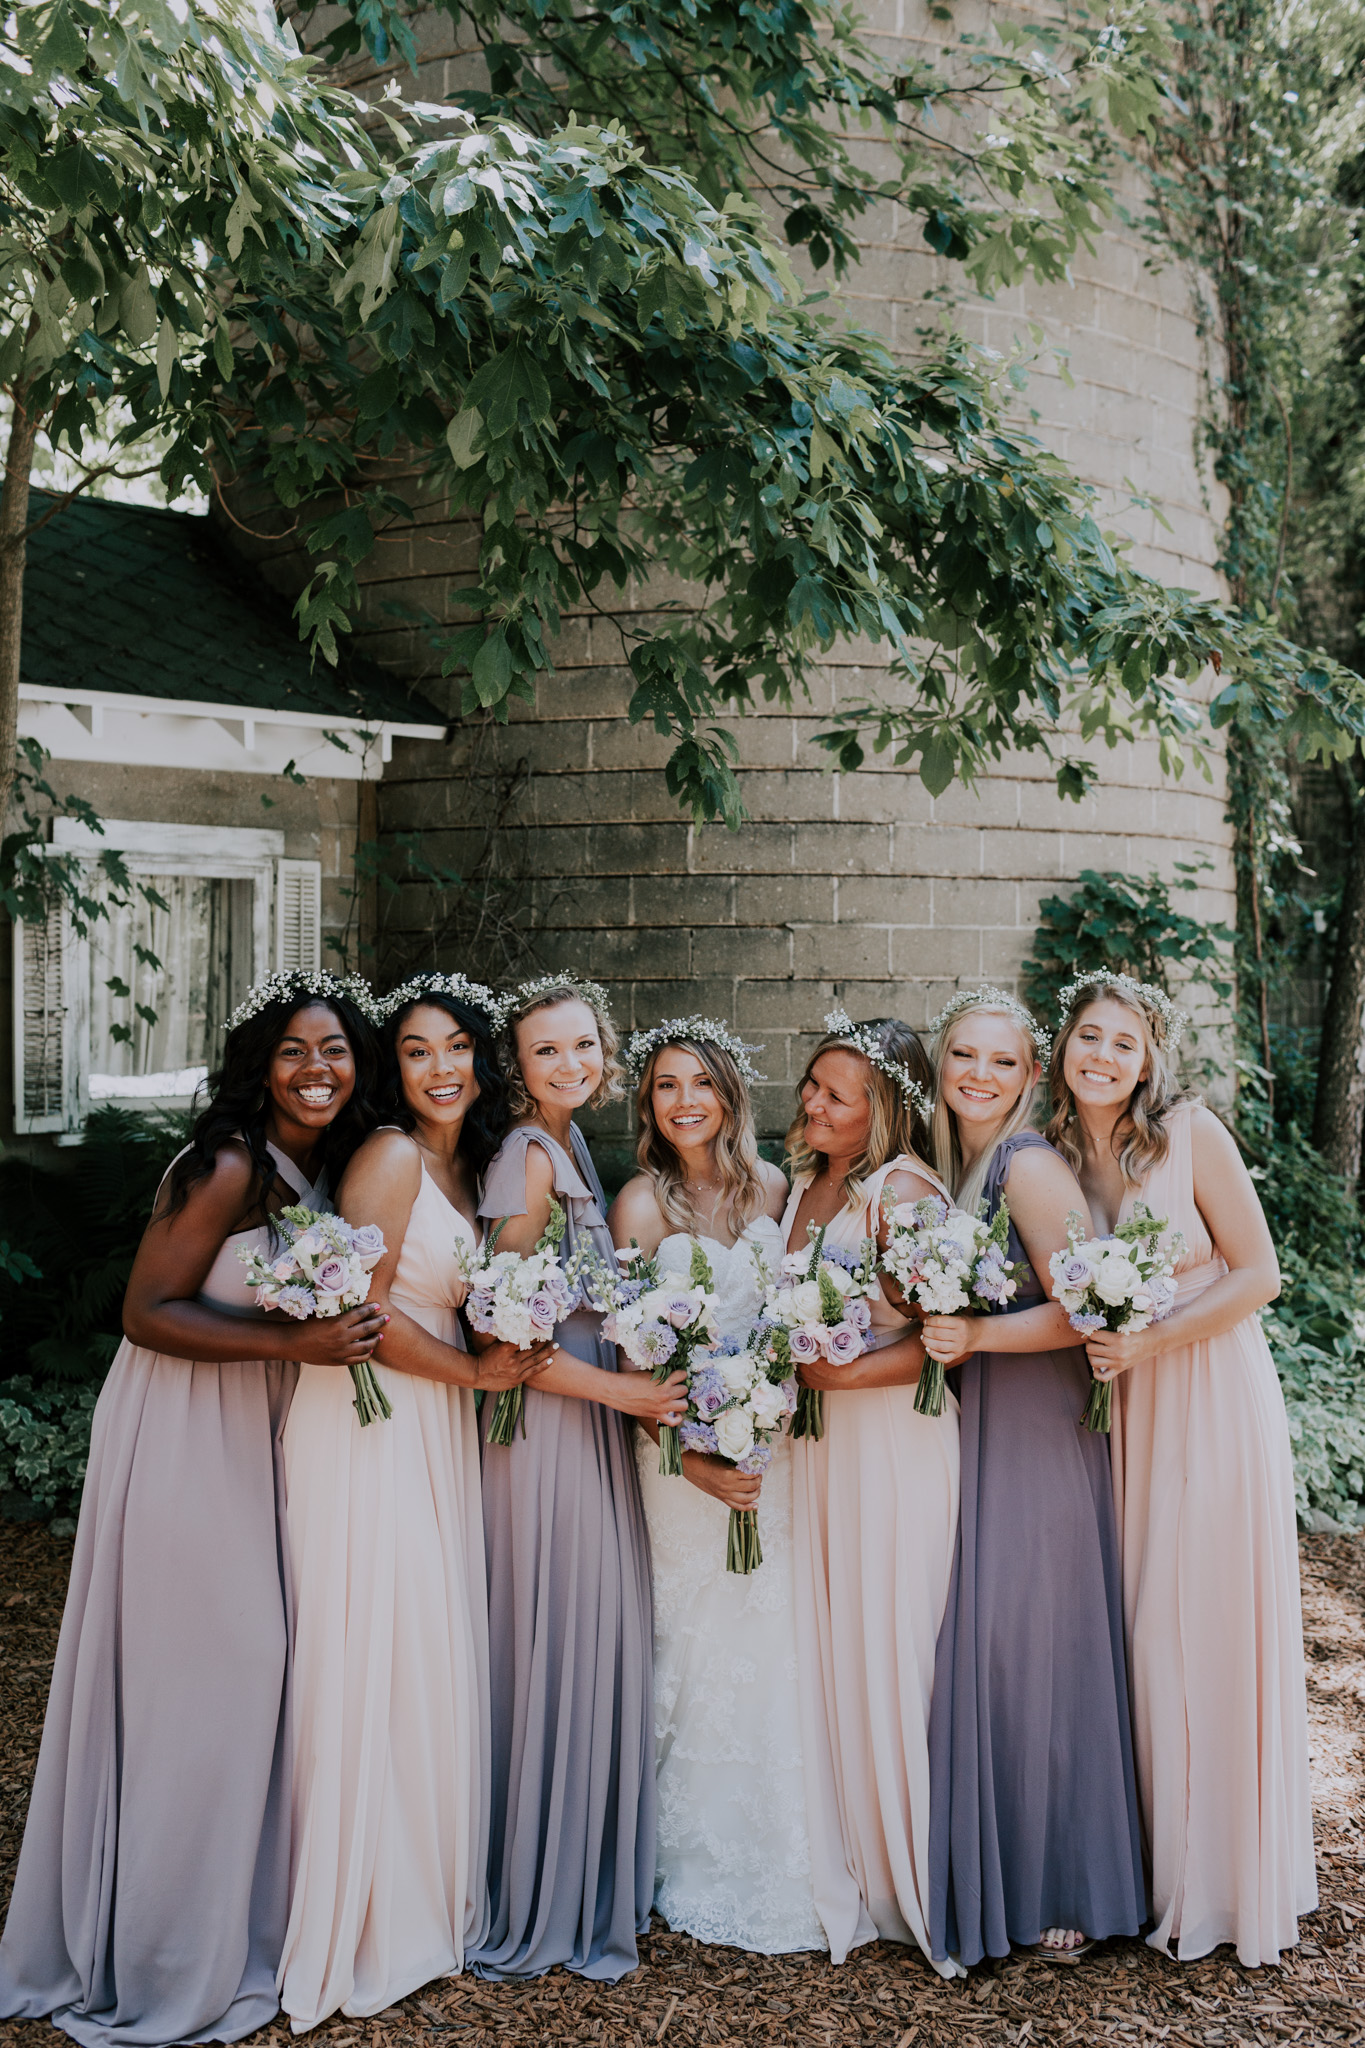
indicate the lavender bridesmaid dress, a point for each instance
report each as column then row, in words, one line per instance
column 153, row 1883
column 570, row 1626
column 1033, row 1803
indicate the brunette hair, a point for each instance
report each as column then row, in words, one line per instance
column 965, row 1184
column 239, row 1098
column 736, row 1147
column 487, row 1118
column 896, row 1125
column 612, row 1085
column 1140, row 1133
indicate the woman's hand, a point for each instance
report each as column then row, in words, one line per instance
column 826, row 1377
column 661, row 1401
column 503, row 1365
column 338, row 1340
column 724, row 1482
column 1114, row 1351
column 952, row 1338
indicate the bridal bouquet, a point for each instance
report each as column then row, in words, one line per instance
column 659, row 1322
column 518, row 1299
column 738, row 1399
column 818, row 1309
column 322, row 1269
column 1121, row 1282
column 948, row 1262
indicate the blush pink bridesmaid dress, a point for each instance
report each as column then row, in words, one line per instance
column 875, row 1504
column 1204, row 1491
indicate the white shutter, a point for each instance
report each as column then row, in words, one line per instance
column 298, row 915
column 50, row 1006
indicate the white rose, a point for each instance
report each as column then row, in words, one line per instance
column 1116, row 1278
column 839, row 1278
column 961, row 1230
column 769, row 1404
column 735, row 1434
column 805, row 1301
column 327, row 1304
column 653, row 1306
column 737, row 1372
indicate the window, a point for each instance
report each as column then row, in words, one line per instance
column 133, row 1009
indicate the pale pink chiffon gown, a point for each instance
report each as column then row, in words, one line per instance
column 390, row 1696
column 1204, row 1489
column 875, row 1512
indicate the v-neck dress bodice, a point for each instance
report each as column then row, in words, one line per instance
column 152, row 1890
column 734, row 1851
column 875, row 1518
column 390, row 1713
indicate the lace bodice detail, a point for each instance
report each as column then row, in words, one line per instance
column 736, row 1269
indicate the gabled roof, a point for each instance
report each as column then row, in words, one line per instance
column 148, row 603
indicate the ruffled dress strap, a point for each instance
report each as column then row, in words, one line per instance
column 504, row 1188
column 904, row 1162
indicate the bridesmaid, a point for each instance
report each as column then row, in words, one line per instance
column 734, row 1853
column 571, row 1855
column 1034, row 1832
column 1204, row 1488
column 875, row 1508
column 390, row 1696
column 152, row 1888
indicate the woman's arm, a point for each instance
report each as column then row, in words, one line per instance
column 1042, row 1192
column 636, row 1214
column 173, row 1261
column 632, row 1393
column 1226, row 1197
column 380, row 1186
column 897, row 1364
column 775, row 1189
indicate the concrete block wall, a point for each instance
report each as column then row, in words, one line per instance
column 862, row 887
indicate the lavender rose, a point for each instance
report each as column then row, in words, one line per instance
column 842, row 1343
column 679, row 1310
column 1075, row 1272
column 368, row 1244
column 709, row 1393
column 858, row 1313
column 804, row 1345
column 543, row 1309
column 331, row 1276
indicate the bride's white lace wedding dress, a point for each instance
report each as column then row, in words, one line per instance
column 734, row 1853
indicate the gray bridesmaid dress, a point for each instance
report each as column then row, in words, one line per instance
column 153, row 1883
column 570, row 1626
column 1033, row 1817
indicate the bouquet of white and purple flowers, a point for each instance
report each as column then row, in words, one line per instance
column 818, row 1309
column 659, row 1321
column 518, row 1298
column 738, row 1398
column 1121, row 1282
column 948, row 1261
column 322, row 1268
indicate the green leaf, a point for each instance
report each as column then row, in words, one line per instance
column 492, row 669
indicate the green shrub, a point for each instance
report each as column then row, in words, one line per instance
column 45, row 1442
column 1128, row 926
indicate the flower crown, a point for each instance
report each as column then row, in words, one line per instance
column 457, row 985
column 305, row 981
column 995, row 999
column 704, row 1030
column 865, row 1039
column 1168, row 1017
column 528, row 993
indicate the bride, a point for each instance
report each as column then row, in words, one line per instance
column 733, row 1852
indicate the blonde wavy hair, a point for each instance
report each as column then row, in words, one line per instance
column 736, row 1147
column 896, row 1126
column 612, row 1085
column 1141, row 1133
column 965, row 1182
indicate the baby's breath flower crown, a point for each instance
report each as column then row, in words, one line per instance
column 864, row 1039
column 703, row 1031
column 305, row 981
column 528, row 993
column 459, row 986
column 995, row 999
column 1166, row 1018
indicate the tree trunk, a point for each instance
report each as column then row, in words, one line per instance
column 1339, row 1107
column 13, row 552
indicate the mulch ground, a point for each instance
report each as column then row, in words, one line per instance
column 685, row 1994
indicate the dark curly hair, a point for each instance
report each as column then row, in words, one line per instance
column 487, row 1119
column 239, row 1102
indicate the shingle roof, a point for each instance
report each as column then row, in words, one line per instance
column 152, row 604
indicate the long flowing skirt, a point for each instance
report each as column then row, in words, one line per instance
column 734, row 1851
column 1204, row 1487
column 570, row 1627
column 390, row 1694
column 152, row 1889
